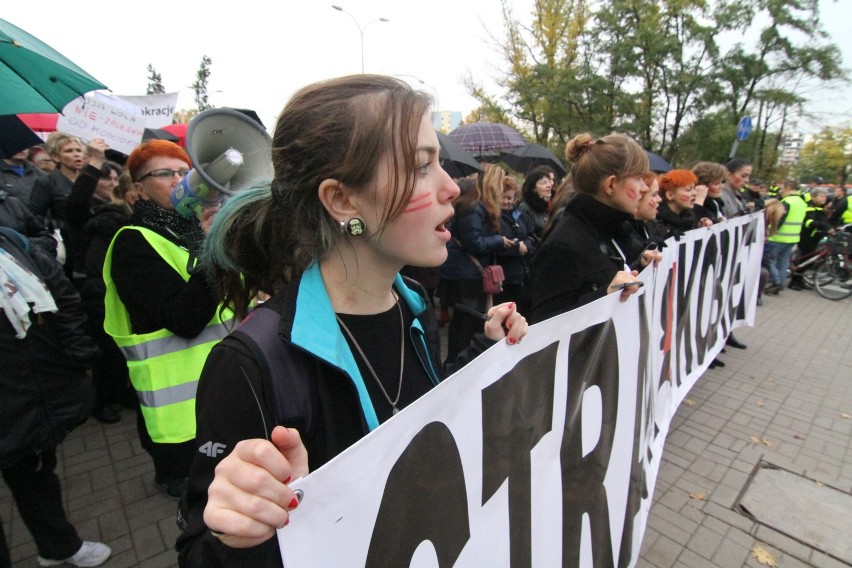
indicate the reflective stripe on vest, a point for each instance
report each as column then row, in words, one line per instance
column 170, row 344
column 163, row 367
column 169, row 395
column 791, row 230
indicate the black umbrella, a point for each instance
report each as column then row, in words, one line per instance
column 159, row 134
column 525, row 158
column 658, row 163
column 15, row 136
column 455, row 160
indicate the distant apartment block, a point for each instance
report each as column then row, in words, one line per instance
column 446, row 120
column 791, row 146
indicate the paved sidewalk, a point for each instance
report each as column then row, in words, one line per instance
column 791, row 387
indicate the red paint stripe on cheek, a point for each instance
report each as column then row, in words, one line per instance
column 417, row 208
column 418, row 203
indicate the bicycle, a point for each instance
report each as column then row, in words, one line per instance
column 833, row 278
column 805, row 265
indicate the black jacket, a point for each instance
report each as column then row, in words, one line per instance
column 472, row 235
column 237, row 396
column 580, row 258
column 17, row 185
column 671, row 224
column 99, row 231
column 520, row 227
column 79, row 208
column 155, row 295
column 45, row 389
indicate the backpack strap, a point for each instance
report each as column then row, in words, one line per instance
column 259, row 333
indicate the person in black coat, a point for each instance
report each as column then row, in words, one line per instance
column 519, row 228
column 709, row 203
column 475, row 231
column 46, row 394
column 645, row 218
column 536, row 194
column 591, row 252
column 677, row 214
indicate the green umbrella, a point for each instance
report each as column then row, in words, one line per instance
column 34, row 77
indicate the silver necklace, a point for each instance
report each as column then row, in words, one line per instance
column 395, row 401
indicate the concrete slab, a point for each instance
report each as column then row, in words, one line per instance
column 813, row 513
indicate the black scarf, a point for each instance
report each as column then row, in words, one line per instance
column 170, row 224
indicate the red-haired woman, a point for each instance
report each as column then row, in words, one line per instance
column 161, row 310
column 676, row 216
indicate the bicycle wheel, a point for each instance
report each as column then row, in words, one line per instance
column 811, row 274
column 832, row 280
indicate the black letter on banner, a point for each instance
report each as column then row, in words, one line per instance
column 424, row 499
column 666, row 318
column 686, row 279
column 592, row 361
column 644, row 431
column 714, row 291
column 517, row 411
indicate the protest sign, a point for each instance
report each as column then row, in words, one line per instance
column 545, row 453
column 158, row 110
column 96, row 116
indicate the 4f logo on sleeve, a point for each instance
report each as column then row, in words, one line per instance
column 212, row 449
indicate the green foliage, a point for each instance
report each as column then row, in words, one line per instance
column 155, row 82
column 657, row 69
column 828, row 155
column 202, row 76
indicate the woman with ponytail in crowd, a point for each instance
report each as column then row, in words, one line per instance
column 358, row 193
column 592, row 251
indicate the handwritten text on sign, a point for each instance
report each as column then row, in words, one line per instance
column 89, row 118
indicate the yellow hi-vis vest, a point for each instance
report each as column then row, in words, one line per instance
column 163, row 367
column 791, row 230
column 846, row 218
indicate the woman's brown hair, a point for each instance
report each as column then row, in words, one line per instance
column 594, row 160
column 338, row 129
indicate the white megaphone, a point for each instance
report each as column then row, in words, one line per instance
column 230, row 153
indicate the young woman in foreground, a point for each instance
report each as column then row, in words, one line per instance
column 358, row 193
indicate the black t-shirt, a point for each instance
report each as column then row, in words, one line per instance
column 379, row 338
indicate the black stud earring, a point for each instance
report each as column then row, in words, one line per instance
column 355, row 226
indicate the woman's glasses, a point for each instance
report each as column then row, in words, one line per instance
column 164, row 174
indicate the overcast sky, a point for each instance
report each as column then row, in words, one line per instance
column 263, row 51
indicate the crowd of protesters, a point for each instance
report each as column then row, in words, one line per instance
column 122, row 302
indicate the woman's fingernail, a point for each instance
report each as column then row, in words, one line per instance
column 508, row 325
column 287, row 522
column 511, row 305
column 294, row 502
column 289, row 479
column 510, row 340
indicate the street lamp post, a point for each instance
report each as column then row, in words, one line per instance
column 361, row 30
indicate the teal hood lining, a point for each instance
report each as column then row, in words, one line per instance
column 315, row 329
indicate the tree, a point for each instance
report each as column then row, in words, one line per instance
column 828, row 155
column 661, row 51
column 776, row 56
column 202, row 76
column 546, row 97
column 155, row 82
column 655, row 70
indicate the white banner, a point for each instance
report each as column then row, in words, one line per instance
column 545, row 453
column 158, row 110
column 97, row 115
